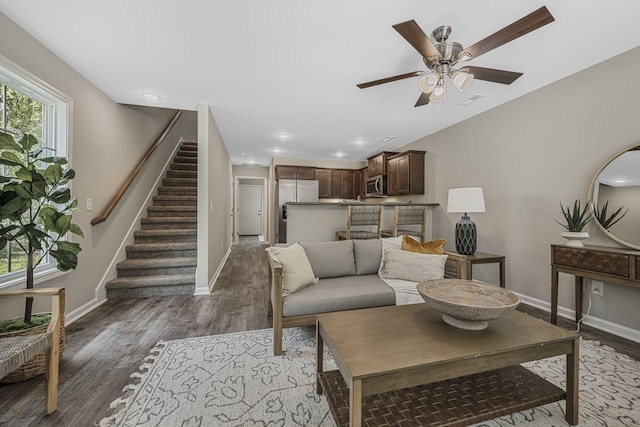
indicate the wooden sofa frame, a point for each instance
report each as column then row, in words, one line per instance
column 455, row 268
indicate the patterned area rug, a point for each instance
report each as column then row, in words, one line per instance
column 234, row 380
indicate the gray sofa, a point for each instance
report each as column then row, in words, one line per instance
column 348, row 273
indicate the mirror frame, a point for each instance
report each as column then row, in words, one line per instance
column 590, row 197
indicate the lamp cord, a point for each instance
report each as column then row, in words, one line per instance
column 586, row 314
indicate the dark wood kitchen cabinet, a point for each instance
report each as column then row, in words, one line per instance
column 405, row 173
column 295, row 172
column 342, row 184
column 324, row 183
column 377, row 165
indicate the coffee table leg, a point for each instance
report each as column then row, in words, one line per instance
column 355, row 403
column 319, row 358
column 573, row 375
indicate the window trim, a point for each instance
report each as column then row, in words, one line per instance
column 59, row 109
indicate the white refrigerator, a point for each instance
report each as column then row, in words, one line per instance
column 292, row 190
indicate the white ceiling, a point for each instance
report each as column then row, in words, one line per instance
column 292, row 66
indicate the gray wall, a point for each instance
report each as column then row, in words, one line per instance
column 107, row 141
column 528, row 155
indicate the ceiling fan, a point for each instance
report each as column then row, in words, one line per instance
column 442, row 57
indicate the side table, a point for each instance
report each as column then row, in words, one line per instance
column 484, row 258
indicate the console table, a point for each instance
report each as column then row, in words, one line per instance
column 612, row 265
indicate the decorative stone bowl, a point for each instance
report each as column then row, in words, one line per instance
column 466, row 304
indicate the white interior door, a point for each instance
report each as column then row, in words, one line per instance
column 249, row 210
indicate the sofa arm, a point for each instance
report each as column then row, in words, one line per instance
column 456, row 266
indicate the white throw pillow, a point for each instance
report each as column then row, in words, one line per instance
column 296, row 269
column 389, row 244
column 412, row 266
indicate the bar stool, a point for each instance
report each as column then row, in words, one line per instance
column 362, row 216
column 408, row 215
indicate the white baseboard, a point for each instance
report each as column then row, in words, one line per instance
column 595, row 322
column 218, row 271
column 74, row 315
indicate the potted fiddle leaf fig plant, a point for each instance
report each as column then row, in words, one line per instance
column 575, row 220
column 35, row 215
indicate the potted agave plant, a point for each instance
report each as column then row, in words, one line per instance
column 35, row 218
column 605, row 219
column 575, row 220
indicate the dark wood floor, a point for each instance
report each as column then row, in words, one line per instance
column 107, row 345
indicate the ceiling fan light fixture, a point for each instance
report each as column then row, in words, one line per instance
column 462, row 80
column 428, row 82
column 439, row 93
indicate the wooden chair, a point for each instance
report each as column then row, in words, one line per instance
column 408, row 215
column 16, row 350
column 362, row 216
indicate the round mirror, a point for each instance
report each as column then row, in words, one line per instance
column 616, row 188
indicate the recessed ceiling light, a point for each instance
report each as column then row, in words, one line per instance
column 151, row 96
column 243, row 154
column 251, row 162
column 620, row 181
column 388, row 138
column 359, row 141
column 474, row 98
column 283, row 136
column 339, row 154
column 276, row 150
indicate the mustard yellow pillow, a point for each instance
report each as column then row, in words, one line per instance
column 434, row 247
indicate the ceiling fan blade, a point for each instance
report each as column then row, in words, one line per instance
column 390, row 79
column 412, row 32
column 525, row 25
column 493, row 75
column 423, row 100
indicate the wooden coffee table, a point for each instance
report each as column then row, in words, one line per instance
column 385, row 354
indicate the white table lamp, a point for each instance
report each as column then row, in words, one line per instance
column 465, row 200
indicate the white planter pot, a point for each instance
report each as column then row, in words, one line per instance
column 575, row 238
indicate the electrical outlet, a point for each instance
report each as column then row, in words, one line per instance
column 597, row 288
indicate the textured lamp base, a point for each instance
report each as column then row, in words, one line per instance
column 466, row 236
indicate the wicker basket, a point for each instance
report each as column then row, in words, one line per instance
column 37, row 365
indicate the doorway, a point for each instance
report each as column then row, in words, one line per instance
column 250, row 208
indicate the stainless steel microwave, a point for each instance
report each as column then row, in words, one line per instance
column 377, row 186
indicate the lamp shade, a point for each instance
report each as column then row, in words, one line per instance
column 468, row 199
column 462, row 80
column 428, row 82
column 439, row 93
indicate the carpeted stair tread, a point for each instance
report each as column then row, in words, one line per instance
column 172, row 211
column 187, row 153
column 184, row 166
column 175, row 200
column 178, row 191
column 180, row 182
column 182, row 174
column 168, row 222
column 165, row 235
column 179, row 246
column 144, row 264
column 183, row 159
column 148, row 281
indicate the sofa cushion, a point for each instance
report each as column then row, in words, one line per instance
column 412, row 266
column 337, row 294
column 331, row 259
column 296, row 270
column 435, row 247
column 368, row 254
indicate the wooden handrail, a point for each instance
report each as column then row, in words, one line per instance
column 125, row 185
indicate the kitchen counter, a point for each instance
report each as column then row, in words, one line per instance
column 361, row 203
column 319, row 221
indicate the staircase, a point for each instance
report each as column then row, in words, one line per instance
column 162, row 260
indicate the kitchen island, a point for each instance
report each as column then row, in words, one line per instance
column 319, row 221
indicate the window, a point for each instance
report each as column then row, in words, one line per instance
column 28, row 105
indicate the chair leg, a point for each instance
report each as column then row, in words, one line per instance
column 277, row 336
column 51, row 376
